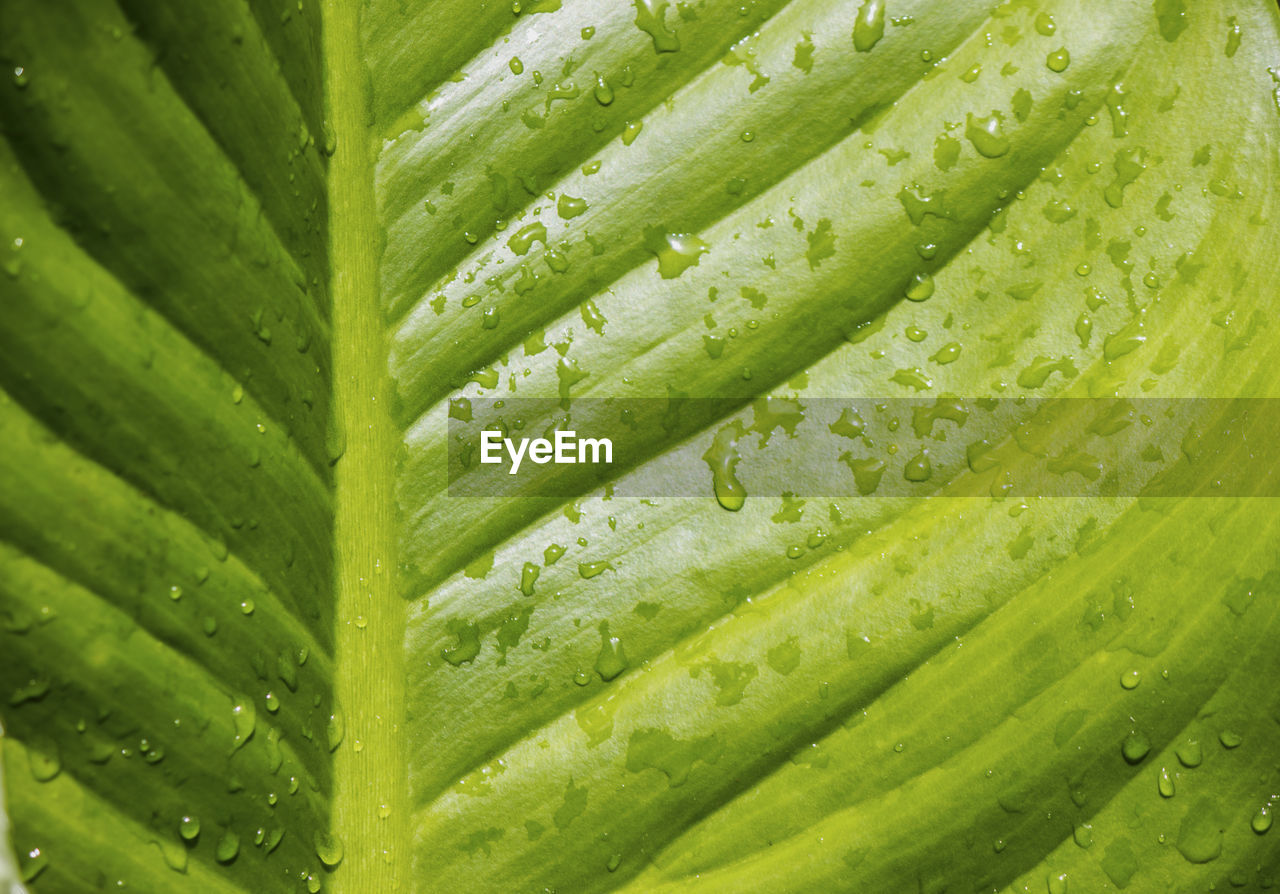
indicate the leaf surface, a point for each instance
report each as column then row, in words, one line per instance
column 257, row 255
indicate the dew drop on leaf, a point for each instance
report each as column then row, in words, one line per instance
column 244, row 719
column 1135, row 747
column 921, row 287
column 603, row 92
column 987, row 135
column 31, row 863
column 722, row 457
column 649, row 19
column 44, row 759
column 228, row 847
column 676, row 252
column 173, row 852
column 1189, row 753
column 918, row 468
column 588, row 570
column 189, row 828
column 868, row 27
column 528, row 577
column 612, row 659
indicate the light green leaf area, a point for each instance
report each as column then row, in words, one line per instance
column 253, row 253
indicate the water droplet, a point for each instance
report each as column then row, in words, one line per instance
column 34, row 689
column 516, row 66
column 603, row 92
column 247, row 607
column 273, row 839
column 948, row 353
column 1131, row 678
column 918, row 468
column 335, row 728
column 722, row 457
column 43, row 759
column 173, row 852
column 588, row 570
column 1230, row 738
column 523, row 239
column 1129, row 165
column 244, row 718
column 568, row 206
column 228, row 847
column 1261, row 822
column 1045, row 24
column 987, row 134
column 612, row 659
column 868, row 27
column 921, row 287
column 1172, row 15
column 1058, row 60
column 313, row 883
column 1189, row 753
column 31, row 863
column 630, row 131
column 1115, row 105
column 1057, row 884
column 328, row 848
column 1164, row 783
column 189, row 828
column 649, row 19
column 1135, row 747
column 676, row 252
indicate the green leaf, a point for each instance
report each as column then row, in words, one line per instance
column 255, row 256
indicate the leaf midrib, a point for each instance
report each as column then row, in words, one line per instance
column 370, row 787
